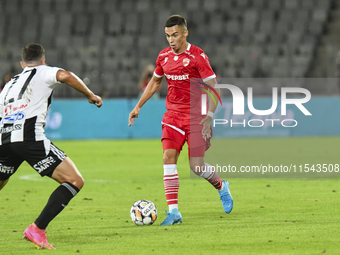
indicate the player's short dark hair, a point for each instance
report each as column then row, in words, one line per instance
column 32, row 52
column 176, row 20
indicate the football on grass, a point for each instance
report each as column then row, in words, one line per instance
column 143, row 212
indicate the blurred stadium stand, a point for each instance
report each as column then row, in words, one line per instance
column 108, row 43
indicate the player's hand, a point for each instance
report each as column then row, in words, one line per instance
column 133, row 114
column 94, row 99
column 206, row 131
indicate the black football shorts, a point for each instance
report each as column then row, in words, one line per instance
column 43, row 156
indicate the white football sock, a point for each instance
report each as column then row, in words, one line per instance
column 171, row 185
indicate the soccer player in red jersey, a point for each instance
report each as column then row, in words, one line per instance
column 180, row 63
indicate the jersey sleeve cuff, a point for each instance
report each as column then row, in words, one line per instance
column 209, row 78
column 157, row 75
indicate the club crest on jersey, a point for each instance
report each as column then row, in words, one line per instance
column 186, row 61
column 176, row 58
column 165, row 60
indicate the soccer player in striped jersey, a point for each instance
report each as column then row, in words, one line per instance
column 24, row 103
column 180, row 63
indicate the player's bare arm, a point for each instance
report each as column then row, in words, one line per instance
column 75, row 82
column 206, row 122
column 150, row 89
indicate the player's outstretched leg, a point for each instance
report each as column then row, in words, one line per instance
column 71, row 182
column 208, row 172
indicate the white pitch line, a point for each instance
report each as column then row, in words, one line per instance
column 35, row 177
column 32, row 177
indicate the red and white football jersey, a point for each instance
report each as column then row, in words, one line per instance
column 178, row 69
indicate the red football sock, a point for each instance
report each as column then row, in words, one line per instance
column 211, row 176
column 171, row 185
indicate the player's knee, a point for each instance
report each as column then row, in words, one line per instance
column 192, row 167
column 197, row 165
column 78, row 182
column 169, row 158
column 75, row 179
column 195, row 168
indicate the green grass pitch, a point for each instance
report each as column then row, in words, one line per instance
column 270, row 216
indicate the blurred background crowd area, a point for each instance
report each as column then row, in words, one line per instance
column 109, row 43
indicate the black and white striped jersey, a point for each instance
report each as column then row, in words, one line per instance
column 24, row 103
